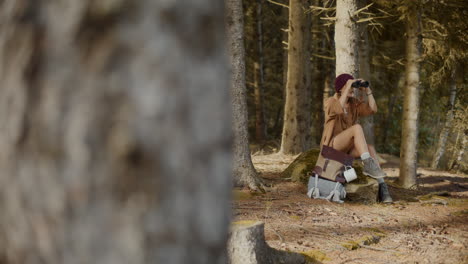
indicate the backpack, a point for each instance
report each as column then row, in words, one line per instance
column 331, row 164
column 327, row 180
column 320, row 188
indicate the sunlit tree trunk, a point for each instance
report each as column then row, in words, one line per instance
column 346, row 38
column 114, row 132
column 296, row 124
column 244, row 171
column 448, row 124
column 455, row 164
column 409, row 136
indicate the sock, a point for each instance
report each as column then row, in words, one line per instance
column 380, row 180
column 365, row 155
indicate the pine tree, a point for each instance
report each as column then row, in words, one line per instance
column 409, row 136
column 296, row 125
column 243, row 169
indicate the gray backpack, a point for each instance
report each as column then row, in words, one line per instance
column 319, row 188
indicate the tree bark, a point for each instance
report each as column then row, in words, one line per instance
column 247, row 245
column 346, row 38
column 243, row 169
column 367, row 122
column 448, row 124
column 260, row 126
column 296, row 124
column 115, row 136
column 318, row 79
column 409, row 136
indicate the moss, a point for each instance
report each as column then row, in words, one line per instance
column 375, row 231
column 298, row 170
column 365, row 240
column 350, row 245
column 244, row 222
column 436, row 195
column 460, row 213
column 238, row 195
column 314, row 256
column 295, row 217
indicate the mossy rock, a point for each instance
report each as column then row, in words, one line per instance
column 315, row 256
column 300, row 169
column 364, row 189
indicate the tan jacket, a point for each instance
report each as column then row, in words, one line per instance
column 336, row 120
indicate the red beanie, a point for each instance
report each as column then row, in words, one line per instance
column 341, row 80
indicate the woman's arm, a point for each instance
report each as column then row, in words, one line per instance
column 372, row 103
column 345, row 91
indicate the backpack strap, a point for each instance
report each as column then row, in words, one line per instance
column 335, row 195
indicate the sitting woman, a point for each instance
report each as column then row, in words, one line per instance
column 343, row 133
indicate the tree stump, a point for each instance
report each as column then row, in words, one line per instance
column 246, row 245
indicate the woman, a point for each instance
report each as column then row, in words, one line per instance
column 343, row 133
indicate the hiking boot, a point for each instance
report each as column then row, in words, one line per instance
column 384, row 194
column 372, row 169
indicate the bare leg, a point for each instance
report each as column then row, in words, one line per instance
column 353, row 136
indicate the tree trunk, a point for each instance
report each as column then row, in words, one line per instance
column 409, row 135
column 260, row 130
column 346, row 38
column 244, row 171
column 317, row 84
column 260, row 126
column 296, row 124
column 457, row 162
column 448, row 124
column 115, row 136
column 367, row 122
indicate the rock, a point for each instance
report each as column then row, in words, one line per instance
column 298, row 170
column 364, row 189
column 246, row 245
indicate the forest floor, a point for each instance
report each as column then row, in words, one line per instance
column 425, row 225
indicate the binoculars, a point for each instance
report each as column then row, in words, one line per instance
column 360, row 83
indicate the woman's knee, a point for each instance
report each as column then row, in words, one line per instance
column 358, row 128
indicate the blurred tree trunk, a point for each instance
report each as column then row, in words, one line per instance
column 244, row 171
column 367, row 122
column 409, row 135
column 260, row 126
column 346, row 38
column 296, row 124
column 115, row 136
column 389, row 119
column 448, row 123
